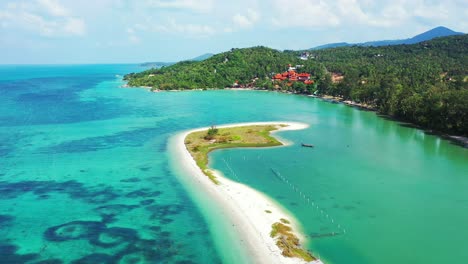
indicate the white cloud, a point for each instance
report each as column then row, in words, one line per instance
column 4, row 16
column 134, row 39
column 194, row 5
column 174, row 27
column 247, row 20
column 303, row 13
column 241, row 21
column 74, row 26
column 347, row 20
column 54, row 8
column 438, row 12
column 18, row 5
column 400, row 12
column 141, row 27
column 191, row 29
column 25, row 16
column 391, row 14
column 350, row 8
column 36, row 23
column 382, row 13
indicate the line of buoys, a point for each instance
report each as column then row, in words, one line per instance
column 310, row 201
column 232, row 171
column 307, row 199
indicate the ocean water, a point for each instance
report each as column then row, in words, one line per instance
column 85, row 175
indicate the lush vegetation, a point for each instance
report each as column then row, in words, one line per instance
column 218, row 71
column 200, row 143
column 288, row 242
column 211, row 133
column 425, row 83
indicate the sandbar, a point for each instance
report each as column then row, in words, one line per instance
column 242, row 206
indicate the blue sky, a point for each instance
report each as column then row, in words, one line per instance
column 120, row 31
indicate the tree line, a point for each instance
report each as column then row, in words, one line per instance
column 424, row 83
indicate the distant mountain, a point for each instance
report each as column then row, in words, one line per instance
column 428, row 35
column 433, row 33
column 203, row 57
column 159, row 64
column 333, row 45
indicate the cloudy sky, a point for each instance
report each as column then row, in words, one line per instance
column 115, row 31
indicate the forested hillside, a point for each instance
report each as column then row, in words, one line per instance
column 218, row 71
column 424, row 83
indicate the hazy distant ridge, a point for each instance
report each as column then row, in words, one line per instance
column 428, row 35
column 159, row 64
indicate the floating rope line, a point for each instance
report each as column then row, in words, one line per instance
column 231, row 170
column 311, row 202
column 307, row 199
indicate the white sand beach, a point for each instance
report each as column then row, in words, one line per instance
column 240, row 205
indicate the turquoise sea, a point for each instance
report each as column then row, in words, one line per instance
column 85, row 175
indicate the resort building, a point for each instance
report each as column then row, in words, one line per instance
column 292, row 76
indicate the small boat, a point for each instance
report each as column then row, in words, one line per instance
column 307, row 145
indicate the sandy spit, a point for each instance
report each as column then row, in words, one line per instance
column 240, row 205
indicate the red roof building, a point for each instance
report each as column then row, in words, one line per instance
column 293, row 76
column 279, row 77
column 303, row 77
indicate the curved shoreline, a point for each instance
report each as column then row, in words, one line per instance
column 459, row 140
column 240, row 205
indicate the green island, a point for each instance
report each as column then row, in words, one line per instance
column 424, row 83
column 200, row 143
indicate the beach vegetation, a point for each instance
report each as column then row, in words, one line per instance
column 288, row 242
column 196, row 148
column 211, row 133
column 223, row 139
column 236, row 138
column 268, row 211
column 279, row 228
column 199, row 145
